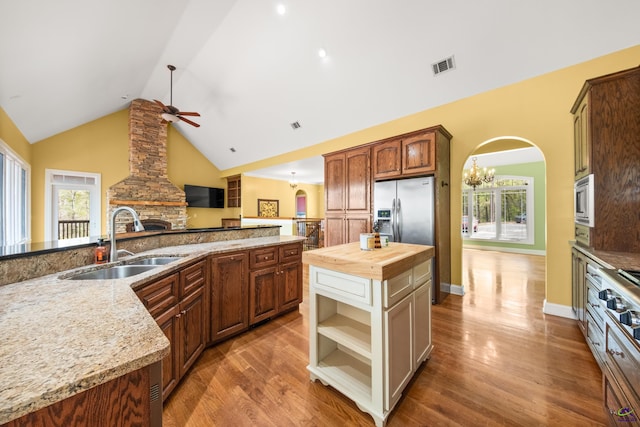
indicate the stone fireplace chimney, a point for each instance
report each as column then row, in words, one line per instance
column 147, row 189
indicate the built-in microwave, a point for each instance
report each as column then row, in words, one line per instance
column 583, row 201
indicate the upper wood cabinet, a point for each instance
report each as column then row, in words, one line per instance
column 581, row 138
column 606, row 127
column 386, row 159
column 419, row 154
column 347, row 178
column 234, row 191
column 412, row 154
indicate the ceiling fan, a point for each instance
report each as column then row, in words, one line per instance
column 170, row 113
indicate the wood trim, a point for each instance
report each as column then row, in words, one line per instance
column 145, row 203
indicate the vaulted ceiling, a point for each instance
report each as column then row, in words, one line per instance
column 251, row 71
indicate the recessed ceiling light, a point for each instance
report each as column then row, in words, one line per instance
column 322, row 52
column 281, row 9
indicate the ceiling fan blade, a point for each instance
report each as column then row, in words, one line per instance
column 189, row 121
column 182, row 113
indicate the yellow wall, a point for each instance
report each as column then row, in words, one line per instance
column 536, row 110
column 254, row 188
column 10, row 134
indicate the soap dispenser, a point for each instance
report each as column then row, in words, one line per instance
column 101, row 252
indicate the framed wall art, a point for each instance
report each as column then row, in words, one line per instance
column 268, row 208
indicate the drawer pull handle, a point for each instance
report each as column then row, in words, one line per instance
column 615, row 353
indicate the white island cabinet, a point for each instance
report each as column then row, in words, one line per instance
column 370, row 320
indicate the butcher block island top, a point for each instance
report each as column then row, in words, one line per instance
column 378, row 264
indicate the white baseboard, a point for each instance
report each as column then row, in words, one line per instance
column 501, row 249
column 557, row 310
column 452, row 289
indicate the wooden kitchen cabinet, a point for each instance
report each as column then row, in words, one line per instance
column 578, row 287
column 177, row 303
column 411, row 154
column 419, row 154
column 193, row 315
column 275, row 281
column 234, row 191
column 122, row 402
column 229, row 295
column 621, row 374
column 387, row 157
column 168, row 322
column 347, row 195
column 161, row 300
column 290, row 277
column 581, row 138
column 606, row 129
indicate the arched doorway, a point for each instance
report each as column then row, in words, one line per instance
column 301, row 204
column 509, row 214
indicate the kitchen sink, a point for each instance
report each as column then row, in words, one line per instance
column 161, row 260
column 115, row 272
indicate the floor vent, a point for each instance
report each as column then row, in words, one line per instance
column 444, row 65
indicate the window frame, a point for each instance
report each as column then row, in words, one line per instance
column 468, row 202
column 14, row 192
column 95, row 190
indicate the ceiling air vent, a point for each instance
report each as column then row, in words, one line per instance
column 295, row 125
column 444, row 65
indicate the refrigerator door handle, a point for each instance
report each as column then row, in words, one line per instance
column 393, row 219
column 399, row 221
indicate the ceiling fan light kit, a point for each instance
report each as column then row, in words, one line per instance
column 170, row 113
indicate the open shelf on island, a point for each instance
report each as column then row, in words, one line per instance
column 347, row 371
column 348, row 332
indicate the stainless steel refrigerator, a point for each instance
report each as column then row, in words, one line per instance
column 404, row 210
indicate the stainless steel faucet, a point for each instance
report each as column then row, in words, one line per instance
column 137, row 226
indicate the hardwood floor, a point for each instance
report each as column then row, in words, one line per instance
column 498, row 361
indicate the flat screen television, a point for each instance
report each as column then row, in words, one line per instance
column 204, row 197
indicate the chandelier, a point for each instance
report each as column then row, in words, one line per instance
column 474, row 177
column 292, row 182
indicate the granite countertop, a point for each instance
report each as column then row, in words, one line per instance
column 613, row 260
column 378, row 264
column 61, row 337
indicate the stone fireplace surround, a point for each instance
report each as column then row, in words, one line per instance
column 147, row 189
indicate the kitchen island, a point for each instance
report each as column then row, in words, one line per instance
column 65, row 338
column 369, row 320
